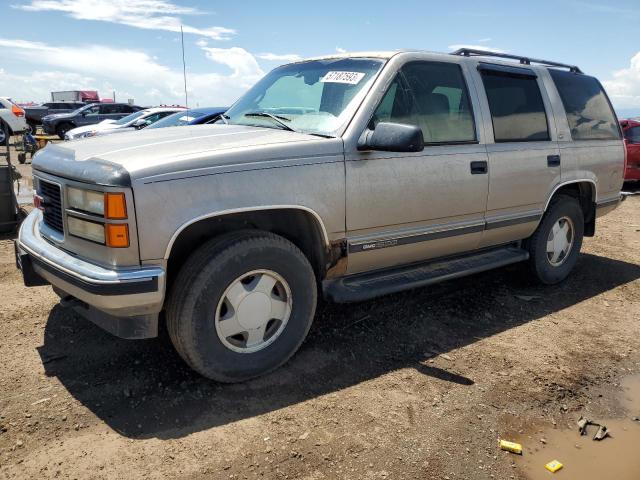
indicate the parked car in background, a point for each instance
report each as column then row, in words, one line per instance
column 352, row 175
column 36, row 113
column 13, row 116
column 631, row 130
column 135, row 121
column 60, row 123
column 193, row 116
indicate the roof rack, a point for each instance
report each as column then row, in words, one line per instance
column 467, row 52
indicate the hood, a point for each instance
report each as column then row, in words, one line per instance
column 55, row 116
column 156, row 152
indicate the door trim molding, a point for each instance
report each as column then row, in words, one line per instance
column 425, row 236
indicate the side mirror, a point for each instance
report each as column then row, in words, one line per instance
column 392, row 137
column 140, row 123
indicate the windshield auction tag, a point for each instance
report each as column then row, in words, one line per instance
column 352, row 78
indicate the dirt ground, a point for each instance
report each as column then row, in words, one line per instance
column 414, row 385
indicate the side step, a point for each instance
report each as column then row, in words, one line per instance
column 355, row 288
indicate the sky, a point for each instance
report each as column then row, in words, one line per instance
column 133, row 48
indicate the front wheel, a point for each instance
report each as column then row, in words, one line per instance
column 241, row 305
column 555, row 245
column 62, row 129
column 3, row 135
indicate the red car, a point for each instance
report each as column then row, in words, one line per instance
column 631, row 129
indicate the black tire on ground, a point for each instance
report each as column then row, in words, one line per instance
column 202, row 281
column 62, row 129
column 543, row 270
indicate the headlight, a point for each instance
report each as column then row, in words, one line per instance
column 89, row 230
column 86, row 200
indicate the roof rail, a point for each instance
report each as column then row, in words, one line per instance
column 467, row 52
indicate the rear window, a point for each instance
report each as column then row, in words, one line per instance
column 588, row 109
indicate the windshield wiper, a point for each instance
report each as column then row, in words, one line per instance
column 276, row 118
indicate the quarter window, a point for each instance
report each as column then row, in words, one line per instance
column 589, row 113
column 517, row 109
column 432, row 96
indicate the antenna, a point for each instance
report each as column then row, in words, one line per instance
column 184, row 72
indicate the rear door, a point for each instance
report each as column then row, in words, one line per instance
column 524, row 161
column 110, row 111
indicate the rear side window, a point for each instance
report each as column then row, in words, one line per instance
column 588, row 110
column 109, row 109
column 432, row 96
column 517, row 109
column 633, row 135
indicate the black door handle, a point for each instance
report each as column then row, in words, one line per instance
column 553, row 160
column 478, row 168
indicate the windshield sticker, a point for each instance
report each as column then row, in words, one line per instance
column 352, row 78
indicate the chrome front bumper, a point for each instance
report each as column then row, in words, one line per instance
column 133, row 292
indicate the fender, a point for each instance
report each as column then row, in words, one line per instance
column 562, row 184
column 247, row 209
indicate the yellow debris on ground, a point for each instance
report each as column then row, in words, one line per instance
column 553, row 466
column 511, row 447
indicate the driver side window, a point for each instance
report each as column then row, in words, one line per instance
column 92, row 110
column 432, row 96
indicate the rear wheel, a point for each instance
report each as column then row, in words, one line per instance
column 241, row 305
column 62, row 129
column 555, row 245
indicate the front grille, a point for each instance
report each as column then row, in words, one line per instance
column 52, row 203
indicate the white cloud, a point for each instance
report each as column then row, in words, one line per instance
column 288, row 57
column 145, row 14
column 485, row 40
column 624, row 87
column 202, row 43
column 340, row 50
column 476, row 47
column 242, row 63
column 39, row 84
column 130, row 72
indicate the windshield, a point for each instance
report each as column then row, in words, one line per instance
column 317, row 97
column 130, row 118
column 177, row 119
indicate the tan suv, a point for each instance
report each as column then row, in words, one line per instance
column 351, row 176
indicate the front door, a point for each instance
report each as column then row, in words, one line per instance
column 407, row 207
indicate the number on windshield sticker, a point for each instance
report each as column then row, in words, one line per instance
column 352, row 78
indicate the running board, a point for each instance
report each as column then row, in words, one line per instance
column 364, row 286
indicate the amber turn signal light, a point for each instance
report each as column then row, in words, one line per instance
column 115, row 206
column 117, row 235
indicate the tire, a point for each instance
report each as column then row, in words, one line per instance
column 563, row 210
column 3, row 138
column 63, row 128
column 201, row 291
